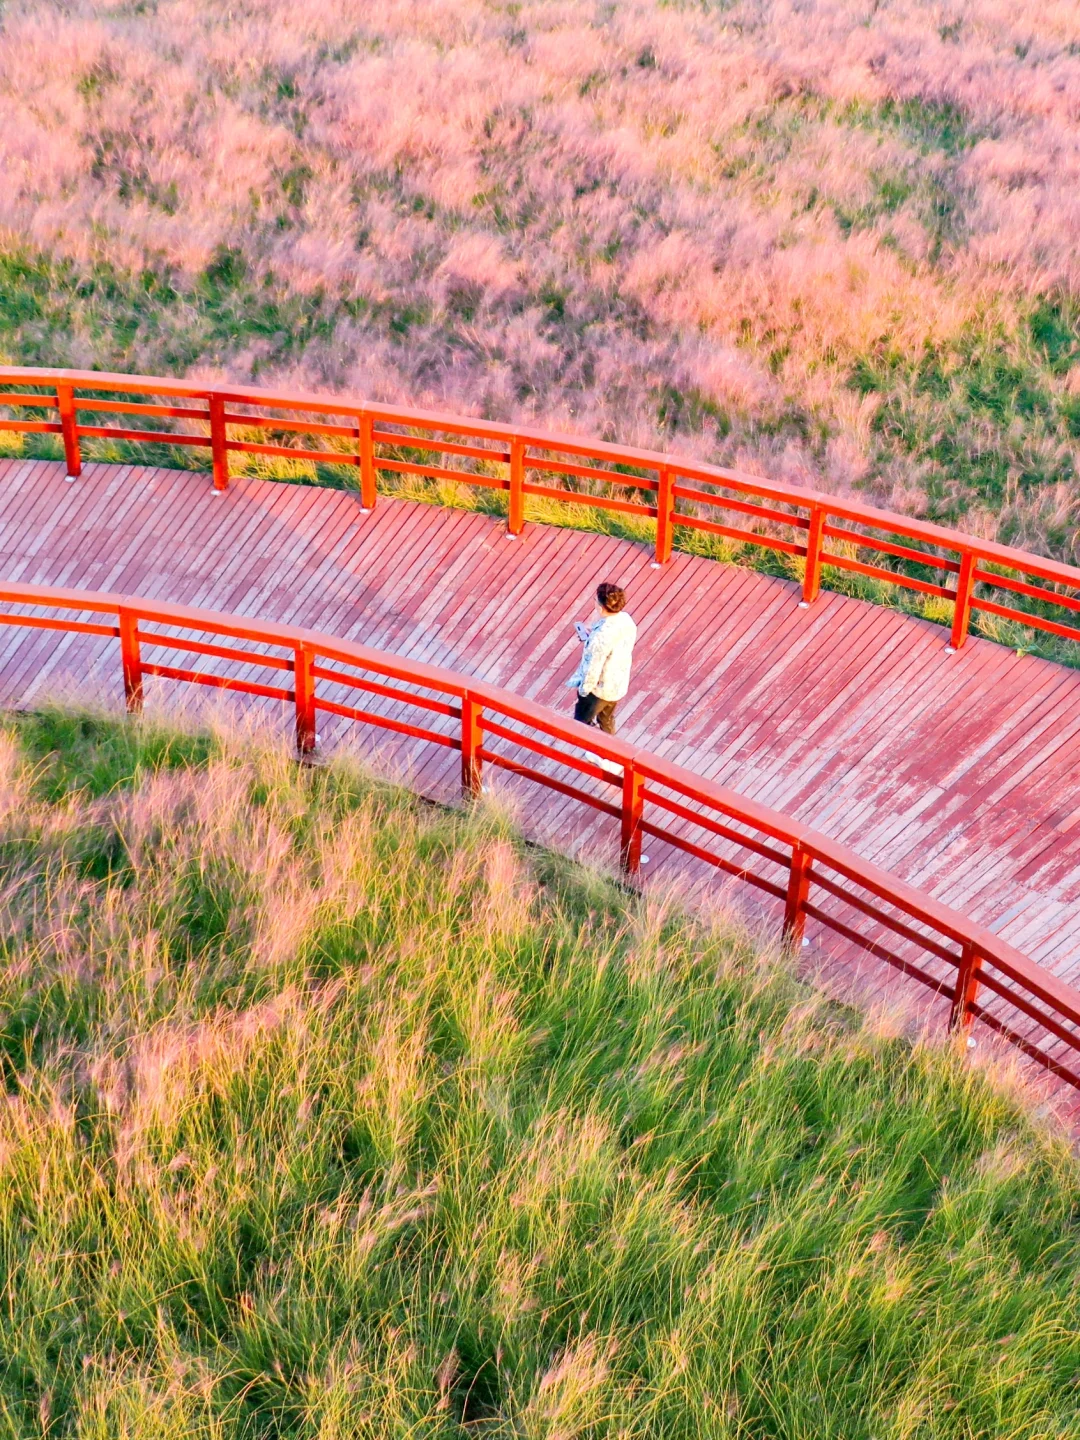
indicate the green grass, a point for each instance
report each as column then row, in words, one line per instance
column 987, row 417
column 126, row 319
column 332, row 1114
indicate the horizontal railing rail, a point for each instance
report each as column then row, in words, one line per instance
column 802, row 875
column 974, row 576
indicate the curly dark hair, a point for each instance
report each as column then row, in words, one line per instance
column 612, row 598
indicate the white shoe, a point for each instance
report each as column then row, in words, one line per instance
column 611, row 766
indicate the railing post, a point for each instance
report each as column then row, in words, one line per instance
column 218, row 438
column 965, row 593
column 472, row 778
column 797, row 892
column 815, row 540
column 304, row 691
column 665, row 511
column 633, row 805
column 967, row 987
column 129, row 659
column 368, row 481
column 69, row 428
column 515, row 521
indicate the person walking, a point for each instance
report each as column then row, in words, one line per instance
column 603, row 677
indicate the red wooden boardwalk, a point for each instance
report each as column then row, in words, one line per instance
column 956, row 772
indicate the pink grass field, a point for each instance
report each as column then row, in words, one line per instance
column 691, row 224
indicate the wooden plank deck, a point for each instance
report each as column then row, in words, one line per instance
column 957, row 773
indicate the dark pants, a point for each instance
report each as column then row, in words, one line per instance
column 591, row 710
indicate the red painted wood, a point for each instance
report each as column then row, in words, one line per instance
column 961, row 1013
column 798, row 891
column 471, row 742
column 219, row 442
column 368, row 478
column 814, row 540
column 130, row 661
column 65, row 403
column 665, row 512
column 516, row 513
column 304, row 699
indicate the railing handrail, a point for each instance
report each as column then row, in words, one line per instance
column 978, row 946
column 831, row 506
column 772, row 822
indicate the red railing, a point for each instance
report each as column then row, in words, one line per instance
column 801, row 875
column 676, row 494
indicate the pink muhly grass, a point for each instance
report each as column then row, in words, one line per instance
column 565, row 217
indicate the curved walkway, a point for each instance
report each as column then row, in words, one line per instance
column 955, row 772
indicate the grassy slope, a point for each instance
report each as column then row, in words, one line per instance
column 331, row 1115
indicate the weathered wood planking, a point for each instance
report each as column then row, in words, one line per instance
column 954, row 772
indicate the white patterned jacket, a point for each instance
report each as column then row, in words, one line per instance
column 605, row 665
